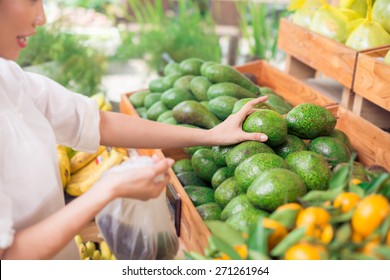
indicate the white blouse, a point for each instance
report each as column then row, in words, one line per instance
column 36, row 113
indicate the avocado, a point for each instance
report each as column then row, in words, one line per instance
column 191, row 66
column 172, row 68
column 192, row 112
column 199, row 86
column 220, row 153
column 244, row 150
column 246, row 219
column 170, row 120
column 340, row 135
column 171, row 79
column 159, row 85
column 183, row 82
column 312, row 168
column 156, row 110
column 251, row 168
column 266, row 90
column 188, row 178
column 204, row 164
column 333, row 150
column 278, row 104
column 275, row 187
column 269, row 122
column 226, row 191
column 229, row 89
column 137, row 98
column 191, row 150
column 174, row 96
column 218, row 73
column 236, row 205
column 209, row 211
column 308, row 121
column 182, row 165
column 240, row 103
column 221, row 175
column 358, row 170
column 164, row 116
column 205, row 104
column 222, row 106
column 151, row 98
column 199, row 195
column 205, row 66
column 142, row 112
column 292, row 144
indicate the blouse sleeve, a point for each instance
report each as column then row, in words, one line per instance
column 6, row 225
column 75, row 118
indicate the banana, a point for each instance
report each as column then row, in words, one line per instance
column 115, row 158
column 78, row 239
column 91, row 247
column 105, row 250
column 113, row 257
column 123, row 151
column 83, row 251
column 81, row 159
column 99, row 98
column 96, row 255
column 106, row 106
column 64, row 165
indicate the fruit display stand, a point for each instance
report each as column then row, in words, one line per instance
column 310, row 55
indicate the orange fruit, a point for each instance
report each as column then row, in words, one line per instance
column 315, row 219
column 346, row 201
column 388, row 238
column 306, row 251
column 327, row 234
column 289, row 206
column 369, row 248
column 279, row 232
column 242, row 251
column 369, row 214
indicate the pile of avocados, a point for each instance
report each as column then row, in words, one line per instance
column 239, row 183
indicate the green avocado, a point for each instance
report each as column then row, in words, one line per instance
column 151, row 98
column 209, row 211
column 312, row 168
column 229, row 89
column 204, row 164
column 205, row 66
column 251, row 168
column 240, row 103
column 308, row 121
column 221, row 175
column 192, row 112
column 137, row 98
column 275, row 187
column 340, row 135
column 226, row 191
column 244, row 150
column 199, row 195
column 237, row 204
column 183, row 82
column 333, row 150
column 174, row 96
column 191, row 66
column 142, row 112
column 164, row 116
column 189, row 178
column 222, row 106
column 292, row 144
column 171, row 79
column 246, row 219
column 191, row 150
column 182, row 165
column 159, row 85
column 218, row 73
column 199, row 86
column 269, row 122
column 278, row 104
column 156, row 110
column 172, row 68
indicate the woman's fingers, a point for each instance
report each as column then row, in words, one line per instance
column 246, row 109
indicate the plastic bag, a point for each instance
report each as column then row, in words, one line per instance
column 381, row 13
column 135, row 229
column 304, row 13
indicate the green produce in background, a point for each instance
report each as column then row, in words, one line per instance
column 292, row 144
column 182, row 165
column 333, row 150
column 226, row 191
column 359, row 6
column 191, row 66
column 237, row 204
column 340, row 135
column 159, row 85
column 156, row 110
column 194, row 113
column 199, row 86
column 222, row 106
column 204, row 164
column 172, row 68
column 245, row 219
column 199, row 195
column 221, row 175
column 304, row 13
column 151, row 98
column 174, row 96
column 311, row 167
column 309, row 121
column 171, row 79
column 205, row 66
column 229, row 89
column 381, row 13
column 184, row 82
column 240, row 103
column 189, row 178
column 209, row 211
column 164, row 116
column 137, row 98
column 275, row 187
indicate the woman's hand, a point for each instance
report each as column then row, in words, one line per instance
column 230, row 131
column 140, row 182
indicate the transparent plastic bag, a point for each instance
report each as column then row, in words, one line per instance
column 135, row 229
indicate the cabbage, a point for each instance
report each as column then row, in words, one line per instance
column 350, row 14
column 304, row 14
column 381, row 13
column 331, row 23
column 368, row 34
column 359, row 6
column 387, row 58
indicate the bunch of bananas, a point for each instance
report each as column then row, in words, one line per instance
column 90, row 250
column 102, row 102
column 64, row 164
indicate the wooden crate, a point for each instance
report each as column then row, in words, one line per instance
column 372, row 79
column 310, row 52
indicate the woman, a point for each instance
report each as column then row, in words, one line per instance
column 36, row 114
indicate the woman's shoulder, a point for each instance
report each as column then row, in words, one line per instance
column 10, row 70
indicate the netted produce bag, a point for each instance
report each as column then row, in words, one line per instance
column 304, row 11
column 330, row 22
column 381, row 13
column 359, row 6
column 368, row 33
column 135, row 229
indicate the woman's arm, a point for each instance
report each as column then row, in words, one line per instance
column 46, row 238
column 119, row 130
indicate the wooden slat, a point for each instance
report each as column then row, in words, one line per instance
column 335, row 60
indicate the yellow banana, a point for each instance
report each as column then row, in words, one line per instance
column 96, row 255
column 83, row 251
column 105, row 250
column 115, row 158
column 99, row 98
column 106, row 106
column 91, row 247
column 81, row 159
column 123, row 151
column 113, row 257
column 64, row 165
column 78, row 239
